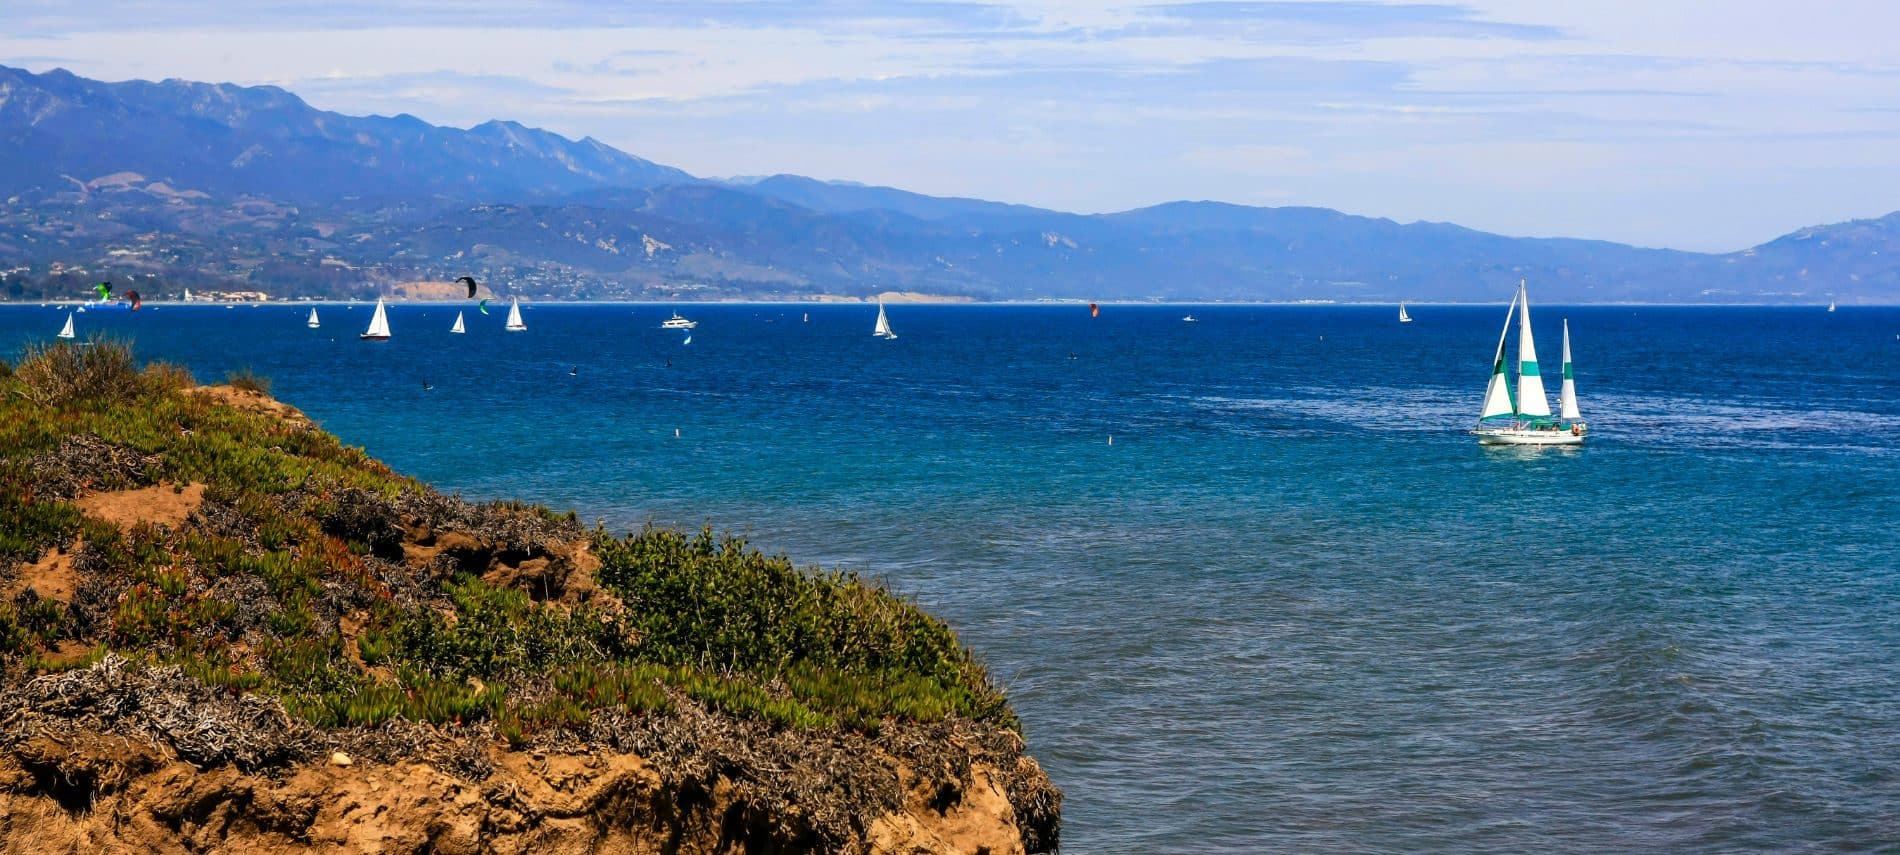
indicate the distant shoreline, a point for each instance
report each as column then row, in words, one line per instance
column 845, row 301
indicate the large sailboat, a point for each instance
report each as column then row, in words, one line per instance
column 67, row 330
column 378, row 325
column 514, row 317
column 883, row 328
column 1525, row 418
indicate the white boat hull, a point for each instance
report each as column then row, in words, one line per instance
column 1529, row 436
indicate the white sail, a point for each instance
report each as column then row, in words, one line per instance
column 883, row 327
column 67, row 330
column 1531, row 398
column 187, row 295
column 514, row 317
column 312, row 323
column 1403, row 317
column 458, row 328
column 378, row 323
column 1497, row 395
column 1567, row 399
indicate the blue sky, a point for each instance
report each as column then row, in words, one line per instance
column 1710, row 126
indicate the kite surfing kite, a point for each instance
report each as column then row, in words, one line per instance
column 134, row 297
column 483, row 306
column 1095, row 311
column 471, row 285
column 104, row 289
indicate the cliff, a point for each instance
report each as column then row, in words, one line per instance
column 220, row 628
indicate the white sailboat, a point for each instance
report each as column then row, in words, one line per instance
column 187, row 295
column 458, row 328
column 312, row 323
column 1403, row 317
column 514, row 317
column 883, row 328
column 378, row 325
column 67, row 330
column 1526, row 418
column 1830, row 305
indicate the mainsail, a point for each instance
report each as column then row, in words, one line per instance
column 1567, row 399
column 514, row 317
column 1531, row 399
column 458, row 328
column 67, row 330
column 883, row 327
column 1497, row 395
column 312, row 323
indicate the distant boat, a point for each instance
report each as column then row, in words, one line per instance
column 187, row 295
column 514, row 317
column 1191, row 319
column 1830, row 305
column 458, row 328
column 678, row 323
column 83, row 309
column 378, row 325
column 67, row 330
column 312, row 323
column 807, row 317
column 883, row 328
column 1525, row 419
column 1403, row 317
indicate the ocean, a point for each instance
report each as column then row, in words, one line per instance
column 1292, row 605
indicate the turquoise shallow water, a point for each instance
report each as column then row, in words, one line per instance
column 1293, row 606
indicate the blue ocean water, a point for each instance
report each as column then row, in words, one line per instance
column 1292, row 606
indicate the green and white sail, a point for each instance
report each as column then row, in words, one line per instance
column 1497, row 395
column 1567, row 399
column 1532, row 401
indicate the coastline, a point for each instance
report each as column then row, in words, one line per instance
column 244, row 634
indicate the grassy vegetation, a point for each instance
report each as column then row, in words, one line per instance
column 246, row 380
column 301, row 578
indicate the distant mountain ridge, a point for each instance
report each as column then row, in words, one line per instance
column 185, row 181
column 264, row 140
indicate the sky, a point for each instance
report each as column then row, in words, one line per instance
column 1693, row 125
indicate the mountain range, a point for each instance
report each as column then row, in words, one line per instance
column 188, row 184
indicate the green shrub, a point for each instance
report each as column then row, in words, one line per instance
column 715, row 604
column 63, row 372
column 160, row 377
column 246, row 380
